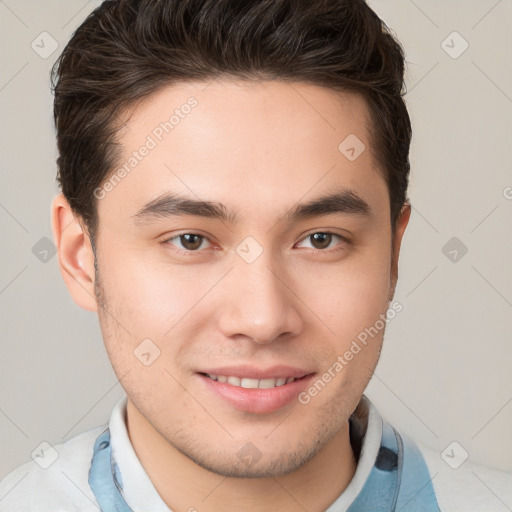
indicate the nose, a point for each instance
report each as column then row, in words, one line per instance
column 259, row 303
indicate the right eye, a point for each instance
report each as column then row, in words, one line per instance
column 190, row 242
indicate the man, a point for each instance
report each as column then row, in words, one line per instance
column 234, row 179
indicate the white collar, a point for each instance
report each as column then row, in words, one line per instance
column 138, row 490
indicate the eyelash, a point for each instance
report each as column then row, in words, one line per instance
column 190, row 253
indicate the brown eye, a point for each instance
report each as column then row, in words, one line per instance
column 322, row 240
column 190, row 242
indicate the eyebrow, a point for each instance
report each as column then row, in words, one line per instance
column 169, row 204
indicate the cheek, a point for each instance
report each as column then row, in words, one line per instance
column 152, row 297
column 350, row 296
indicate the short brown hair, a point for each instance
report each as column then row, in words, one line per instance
column 127, row 49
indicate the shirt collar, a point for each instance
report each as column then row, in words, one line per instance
column 137, row 488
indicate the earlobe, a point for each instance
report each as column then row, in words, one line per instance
column 76, row 258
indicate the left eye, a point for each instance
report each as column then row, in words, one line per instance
column 321, row 240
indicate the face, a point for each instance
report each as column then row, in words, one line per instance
column 252, row 285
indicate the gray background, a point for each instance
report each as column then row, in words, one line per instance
column 444, row 373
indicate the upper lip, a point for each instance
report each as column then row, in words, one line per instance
column 251, row 372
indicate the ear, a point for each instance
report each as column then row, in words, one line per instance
column 401, row 224
column 76, row 257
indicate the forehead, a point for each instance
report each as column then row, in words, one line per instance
column 238, row 109
column 246, row 144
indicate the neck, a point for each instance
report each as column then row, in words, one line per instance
column 183, row 485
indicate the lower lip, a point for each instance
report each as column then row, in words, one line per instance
column 258, row 400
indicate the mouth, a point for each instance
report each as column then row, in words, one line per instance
column 249, row 394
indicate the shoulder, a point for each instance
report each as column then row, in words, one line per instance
column 401, row 475
column 56, row 481
column 461, row 484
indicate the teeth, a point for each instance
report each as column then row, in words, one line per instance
column 234, row 381
column 252, row 383
column 249, row 383
column 267, row 383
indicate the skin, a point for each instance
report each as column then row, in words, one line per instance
column 258, row 148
